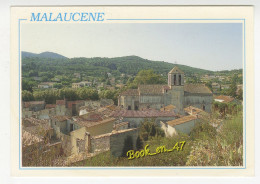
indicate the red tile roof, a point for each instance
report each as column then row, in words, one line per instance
column 181, row 120
column 168, row 108
column 192, row 110
column 82, row 122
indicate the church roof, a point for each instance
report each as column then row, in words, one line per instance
column 157, row 89
column 176, row 70
column 151, row 89
column 197, row 88
column 130, row 92
column 150, row 113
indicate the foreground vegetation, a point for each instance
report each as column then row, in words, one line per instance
column 205, row 146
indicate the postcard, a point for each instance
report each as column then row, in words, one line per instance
column 132, row 91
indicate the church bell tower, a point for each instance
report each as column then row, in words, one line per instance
column 176, row 84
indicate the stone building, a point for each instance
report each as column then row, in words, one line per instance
column 175, row 93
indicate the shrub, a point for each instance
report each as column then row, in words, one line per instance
column 139, row 143
column 203, row 130
column 150, row 128
column 128, row 145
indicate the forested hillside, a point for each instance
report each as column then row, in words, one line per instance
column 95, row 67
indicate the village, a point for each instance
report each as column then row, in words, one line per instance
column 81, row 129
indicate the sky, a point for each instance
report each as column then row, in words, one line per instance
column 212, row 46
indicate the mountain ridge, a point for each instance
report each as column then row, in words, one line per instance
column 123, row 64
column 46, row 54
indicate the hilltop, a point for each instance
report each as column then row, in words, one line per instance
column 130, row 65
column 42, row 55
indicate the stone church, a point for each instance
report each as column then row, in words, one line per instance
column 175, row 93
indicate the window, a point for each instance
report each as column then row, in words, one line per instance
column 129, row 107
column 179, row 79
column 174, row 80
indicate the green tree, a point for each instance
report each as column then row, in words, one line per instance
column 128, row 145
column 148, row 77
column 139, row 143
column 27, row 96
column 150, row 129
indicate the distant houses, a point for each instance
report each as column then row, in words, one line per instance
column 81, row 84
column 46, row 85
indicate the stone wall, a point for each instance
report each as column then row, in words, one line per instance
column 185, row 127
column 198, row 100
column 65, row 140
column 117, row 140
column 100, row 143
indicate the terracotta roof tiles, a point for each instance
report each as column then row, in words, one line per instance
column 86, row 123
column 197, row 88
column 181, row 120
column 130, row 92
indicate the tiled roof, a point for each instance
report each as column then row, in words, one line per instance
column 28, row 104
column 143, row 114
column 192, row 110
column 151, row 89
column 176, row 70
column 168, row 108
column 111, row 107
column 33, row 121
column 49, row 106
column 130, row 92
column 197, row 88
column 181, row 120
column 123, row 131
column 198, row 112
column 121, row 124
column 92, row 116
column 82, row 122
column 224, row 98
